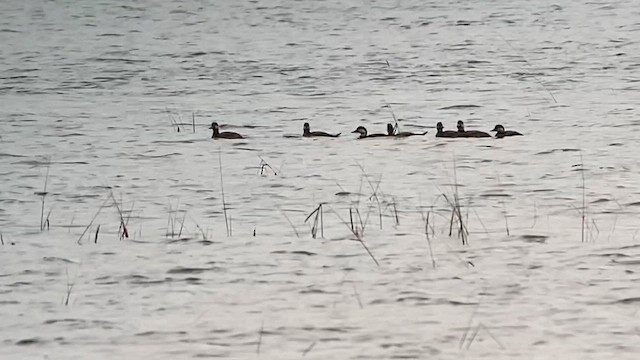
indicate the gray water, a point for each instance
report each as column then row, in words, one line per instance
column 90, row 96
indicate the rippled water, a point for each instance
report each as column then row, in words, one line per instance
column 92, row 92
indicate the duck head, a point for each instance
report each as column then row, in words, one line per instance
column 499, row 128
column 439, row 127
column 360, row 130
column 460, row 126
column 306, row 128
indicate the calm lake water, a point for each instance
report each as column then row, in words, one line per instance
column 92, row 96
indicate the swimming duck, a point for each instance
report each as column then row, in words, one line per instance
column 306, row 132
column 470, row 133
column 391, row 131
column 223, row 135
column 363, row 133
column 445, row 133
column 501, row 132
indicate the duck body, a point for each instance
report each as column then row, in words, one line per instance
column 408, row 133
column 501, row 132
column 470, row 133
column 223, row 135
column 306, row 132
column 445, row 133
column 365, row 135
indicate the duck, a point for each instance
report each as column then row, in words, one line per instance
column 363, row 133
column 223, row 135
column 471, row 133
column 501, row 132
column 391, row 131
column 306, row 132
column 445, row 133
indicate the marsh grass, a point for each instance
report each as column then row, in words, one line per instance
column 456, row 209
column 173, row 221
column 589, row 230
column 106, row 200
column 174, row 121
column 426, row 221
column 69, row 289
column 227, row 218
column 43, row 194
column 123, row 232
column 584, row 200
column 358, row 237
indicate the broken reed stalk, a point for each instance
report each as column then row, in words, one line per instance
column 318, row 212
column 290, row 223
column 95, row 240
column 227, row 223
column 260, row 337
column 193, row 121
column 308, row 349
column 2, row 239
column 395, row 211
column 426, row 233
column 123, row 226
column 92, row 220
column 264, row 166
column 466, row 332
column 363, row 224
column 355, row 292
column 43, row 194
column 535, row 214
column 486, row 329
column 395, row 120
column 506, row 221
column 584, row 198
column 482, row 223
column 69, row 288
column 504, row 209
